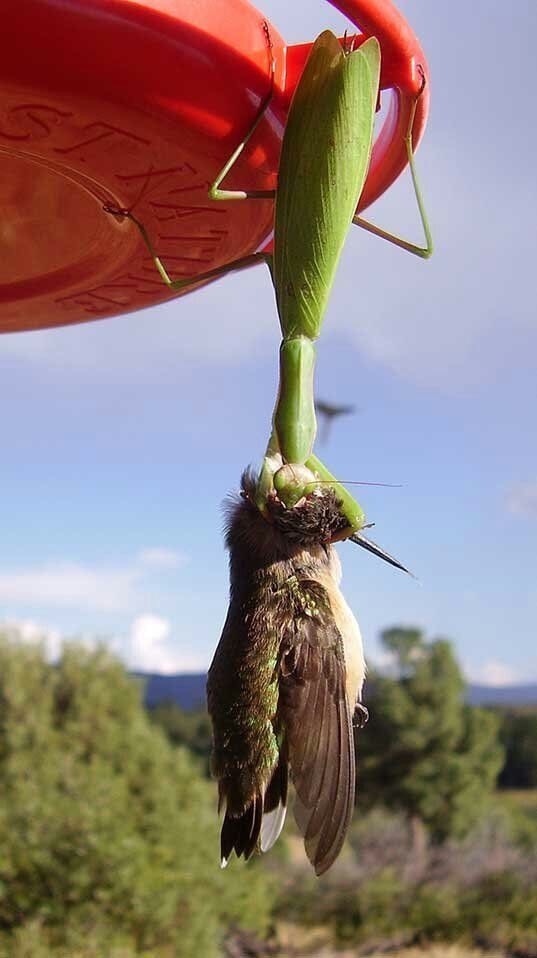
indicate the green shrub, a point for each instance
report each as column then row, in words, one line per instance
column 498, row 911
column 503, row 909
column 520, row 809
column 106, row 830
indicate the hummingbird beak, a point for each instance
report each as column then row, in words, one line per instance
column 366, row 543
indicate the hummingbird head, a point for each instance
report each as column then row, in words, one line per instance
column 282, row 532
column 315, row 519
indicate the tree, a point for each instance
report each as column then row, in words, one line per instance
column 424, row 751
column 104, row 825
column 193, row 730
column 518, row 734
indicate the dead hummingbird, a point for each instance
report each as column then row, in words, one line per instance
column 286, row 679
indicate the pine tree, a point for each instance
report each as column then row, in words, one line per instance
column 424, row 751
column 518, row 734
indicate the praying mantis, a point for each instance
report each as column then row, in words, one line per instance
column 323, row 165
column 288, row 671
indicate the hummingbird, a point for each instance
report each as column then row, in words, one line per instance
column 329, row 412
column 286, row 679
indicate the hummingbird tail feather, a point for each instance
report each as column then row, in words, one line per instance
column 275, row 804
column 241, row 833
column 259, row 825
column 271, row 827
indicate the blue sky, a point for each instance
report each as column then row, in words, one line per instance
column 121, row 438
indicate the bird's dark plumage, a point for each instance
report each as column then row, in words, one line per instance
column 281, row 689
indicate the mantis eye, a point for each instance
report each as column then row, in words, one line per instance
column 290, row 482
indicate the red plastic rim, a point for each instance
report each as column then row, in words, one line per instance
column 137, row 104
column 405, row 71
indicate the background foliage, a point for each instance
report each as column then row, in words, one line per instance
column 106, row 830
column 109, row 832
column 426, row 752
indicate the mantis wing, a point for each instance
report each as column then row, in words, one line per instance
column 323, row 165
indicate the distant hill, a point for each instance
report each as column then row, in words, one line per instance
column 506, row 695
column 188, row 691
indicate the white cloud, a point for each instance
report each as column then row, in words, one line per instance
column 146, row 649
column 70, row 584
column 99, row 588
column 161, row 558
column 521, row 500
column 382, row 662
column 495, row 673
column 150, row 647
column 33, row 633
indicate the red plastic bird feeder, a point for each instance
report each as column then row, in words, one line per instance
column 137, row 104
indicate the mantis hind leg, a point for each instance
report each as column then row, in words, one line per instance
column 242, row 263
column 215, row 193
column 423, row 251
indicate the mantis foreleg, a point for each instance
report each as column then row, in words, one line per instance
column 290, row 469
column 349, row 507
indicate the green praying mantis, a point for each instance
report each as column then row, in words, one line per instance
column 288, row 672
column 324, row 161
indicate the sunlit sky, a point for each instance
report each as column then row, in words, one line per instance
column 120, row 438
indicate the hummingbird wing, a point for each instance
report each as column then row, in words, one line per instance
column 315, row 714
column 242, row 698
